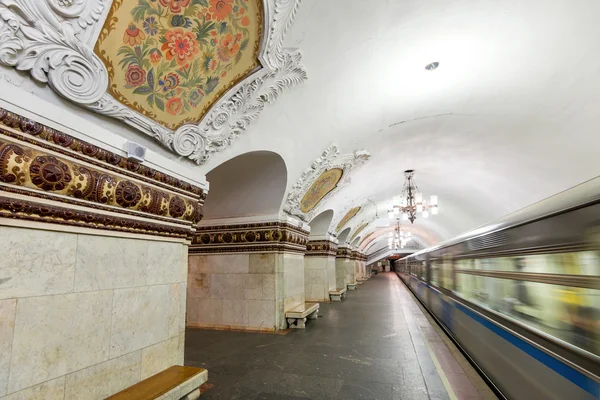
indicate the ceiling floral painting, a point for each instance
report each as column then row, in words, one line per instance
column 347, row 217
column 327, row 174
column 193, row 74
column 320, row 188
column 170, row 60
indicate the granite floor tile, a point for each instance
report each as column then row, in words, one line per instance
column 370, row 346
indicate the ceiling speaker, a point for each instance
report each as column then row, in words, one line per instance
column 136, row 152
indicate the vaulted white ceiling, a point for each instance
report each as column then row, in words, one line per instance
column 508, row 118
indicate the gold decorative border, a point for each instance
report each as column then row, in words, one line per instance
column 63, row 143
column 256, row 237
column 40, row 171
column 32, row 211
column 321, row 248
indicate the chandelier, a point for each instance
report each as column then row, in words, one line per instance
column 399, row 238
column 411, row 201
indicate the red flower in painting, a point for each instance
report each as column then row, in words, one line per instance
column 174, row 105
column 228, row 47
column 221, row 8
column 245, row 21
column 133, row 35
column 174, row 5
column 180, row 45
column 135, row 76
column 155, row 56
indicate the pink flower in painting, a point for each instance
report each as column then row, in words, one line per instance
column 135, row 75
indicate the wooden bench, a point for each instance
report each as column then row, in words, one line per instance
column 338, row 294
column 296, row 317
column 351, row 286
column 174, row 383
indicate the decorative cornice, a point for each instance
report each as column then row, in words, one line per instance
column 258, row 237
column 52, row 40
column 52, row 139
column 40, row 212
column 343, row 252
column 321, row 248
column 329, row 159
column 51, row 177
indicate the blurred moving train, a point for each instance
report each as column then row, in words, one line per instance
column 521, row 297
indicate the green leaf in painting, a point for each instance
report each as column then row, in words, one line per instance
column 200, row 2
column 159, row 103
column 223, row 27
column 150, row 100
column 150, row 78
column 244, row 44
column 142, row 90
column 140, row 10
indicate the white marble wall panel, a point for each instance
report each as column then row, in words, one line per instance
column 316, row 278
column 351, row 271
column 59, row 334
column 102, row 380
column 78, row 311
column 107, row 263
column 155, row 357
column 36, row 263
column 340, row 273
column 293, row 280
column 51, row 390
column 135, row 314
column 331, row 275
column 166, row 263
column 243, row 291
column 7, row 324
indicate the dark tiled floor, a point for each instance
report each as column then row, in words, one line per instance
column 367, row 347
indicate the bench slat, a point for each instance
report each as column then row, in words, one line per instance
column 158, row 384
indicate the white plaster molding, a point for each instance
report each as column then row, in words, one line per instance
column 256, row 219
column 330, row 158
column 337, row 217
column 47, row 38
column 327, row 237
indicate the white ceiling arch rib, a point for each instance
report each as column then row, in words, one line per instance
column 319, row 225
column 250, row 184
column 485, row 131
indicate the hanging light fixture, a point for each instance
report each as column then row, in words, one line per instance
column 399, row 238
column 411, row 201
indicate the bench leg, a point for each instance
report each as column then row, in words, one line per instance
column 314, row 315
column 297, row 323
column 336, row 297
column 193, row 395
column 343, row 295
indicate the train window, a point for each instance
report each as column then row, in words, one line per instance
column 569, row 313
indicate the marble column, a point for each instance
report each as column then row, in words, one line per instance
column 319, row 269
column 245, row 276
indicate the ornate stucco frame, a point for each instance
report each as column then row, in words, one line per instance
column 330, row 158
column 53, row 41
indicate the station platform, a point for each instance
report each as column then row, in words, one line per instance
column 376, row 344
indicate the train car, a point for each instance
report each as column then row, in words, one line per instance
column 521, row 297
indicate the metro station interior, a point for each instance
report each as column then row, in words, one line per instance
column 299, row 199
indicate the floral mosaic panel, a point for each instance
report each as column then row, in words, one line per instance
column 172, row 59
column 359, row 230
column 324, row 184
column 349, row 215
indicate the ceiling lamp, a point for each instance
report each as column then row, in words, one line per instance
column 399, row 238
column 411, row 201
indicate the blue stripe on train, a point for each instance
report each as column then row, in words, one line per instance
column 579, row 379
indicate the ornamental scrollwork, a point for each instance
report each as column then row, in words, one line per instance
column 330, row 159
column 36, row 39
column 52, row 41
